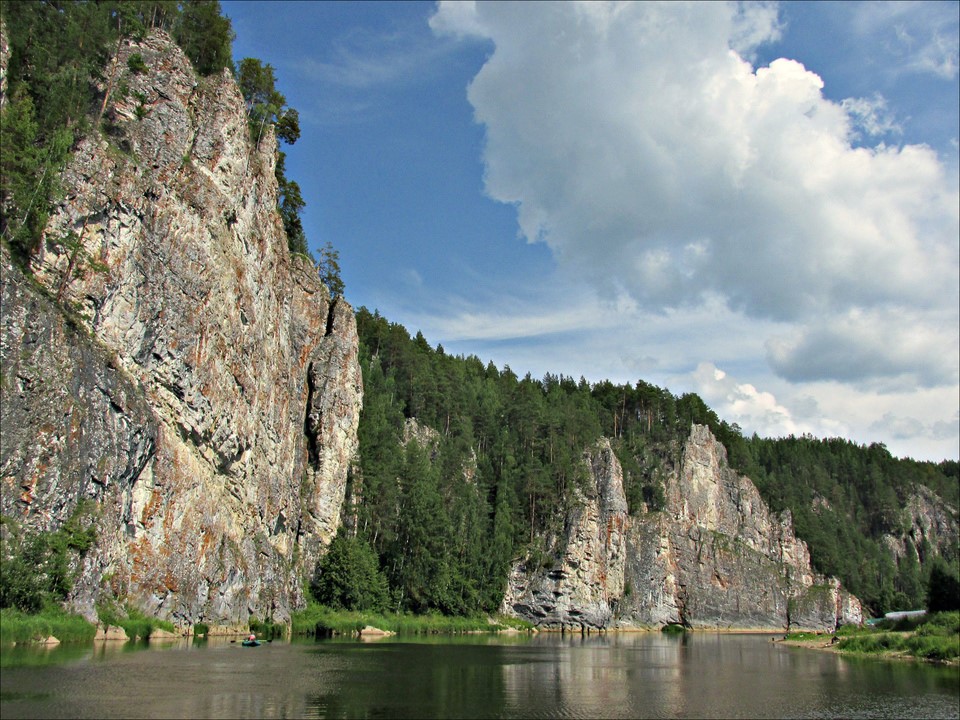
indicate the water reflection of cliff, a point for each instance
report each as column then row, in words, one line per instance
column 613, row 675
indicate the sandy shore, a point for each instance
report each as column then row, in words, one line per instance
column 824, row 642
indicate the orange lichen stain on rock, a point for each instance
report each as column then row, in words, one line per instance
column 75, row 431
column 207, row 540
column 171, row 582
column 152, row 507
column 138, row 553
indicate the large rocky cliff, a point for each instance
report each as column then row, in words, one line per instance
column 204, row 393
column 714, row 557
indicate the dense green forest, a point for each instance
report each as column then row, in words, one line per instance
column 502, row 459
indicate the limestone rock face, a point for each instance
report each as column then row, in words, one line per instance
column 232, row 377
column 583, row 587
column 931, row 522
column 65, row 404
column 715, row 557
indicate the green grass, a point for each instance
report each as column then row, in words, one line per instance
column 851, row 629
column 934, row 637
column 317, row 619
column 267, row 630
column 948, row 622
column 933, row 647
column 17, row 626
column 133, row 621
column 513, row 622
column 930, row 637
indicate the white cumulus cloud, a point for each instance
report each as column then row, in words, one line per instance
column 655, row 161
column 742, row 403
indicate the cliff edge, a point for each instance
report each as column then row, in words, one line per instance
column 205, row 391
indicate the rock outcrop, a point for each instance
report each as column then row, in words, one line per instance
column 206, row 391
column 715, row 557
column 931, row 526
column 584, row 585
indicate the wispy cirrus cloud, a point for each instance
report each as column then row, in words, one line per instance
column 362, row 60
column 351, row 76
column 920, row 37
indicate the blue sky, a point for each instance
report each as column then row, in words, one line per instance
column 756, row 202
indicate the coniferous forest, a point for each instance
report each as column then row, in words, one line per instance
column 463, row 467
column 499, row 457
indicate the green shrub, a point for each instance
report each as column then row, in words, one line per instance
column 267, row 629
column 136, row 64
column 35, row 566
column 873, row 643
column 936, row 637
column 349, row 577
column 933, row 647
column 132, row 620
column 949, row 622
column 200, row 628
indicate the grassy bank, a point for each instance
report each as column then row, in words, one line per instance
column 133, row 622
column 19, row 627
column 933, row 637
column 317, row 619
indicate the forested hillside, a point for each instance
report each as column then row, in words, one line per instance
column 853, row 504
column 463, row 467
column 499, row 456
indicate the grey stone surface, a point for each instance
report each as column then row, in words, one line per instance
column 715, row 557
column 225, row 379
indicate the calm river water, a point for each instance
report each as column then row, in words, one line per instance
column 544, row 676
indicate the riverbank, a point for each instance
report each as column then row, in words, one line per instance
column 318, row 620
column 826, row 644
column 53, row 626
column 934, row 638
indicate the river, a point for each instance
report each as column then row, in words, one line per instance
column 697, row 675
